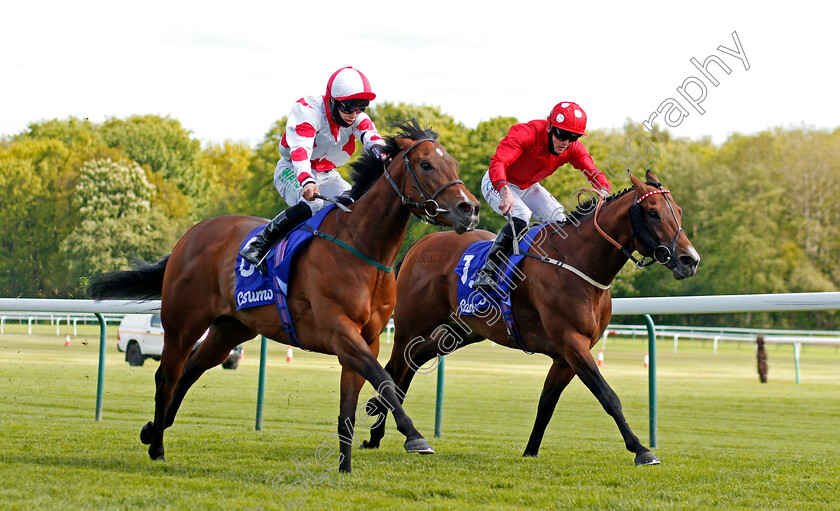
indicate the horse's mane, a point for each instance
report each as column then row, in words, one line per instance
column 368, row 168
column 587, row 208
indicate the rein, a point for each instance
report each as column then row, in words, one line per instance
column 661, row 254
column 334, row 239
column 429, row 206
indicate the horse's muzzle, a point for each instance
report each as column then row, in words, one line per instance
column 685, row 263
column 464, row 217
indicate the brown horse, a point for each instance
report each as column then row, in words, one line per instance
column 561, row 308
column 339, row 303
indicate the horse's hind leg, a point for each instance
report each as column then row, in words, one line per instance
column 556, row 381
column 224, row 335
column 351, row 384
column 578, row 355
column 175, row 353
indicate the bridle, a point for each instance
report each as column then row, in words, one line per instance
column 430, row 207
column 661, row 254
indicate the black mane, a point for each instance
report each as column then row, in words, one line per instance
column 368, row 168
column 586, row 208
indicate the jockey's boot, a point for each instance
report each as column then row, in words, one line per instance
column 281, row 225
column 485, row 278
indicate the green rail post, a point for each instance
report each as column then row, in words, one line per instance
column 439, row 401
column 100, row 379
column 261, row 386
column 651, row 377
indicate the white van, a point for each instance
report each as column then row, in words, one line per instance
column 140, row 336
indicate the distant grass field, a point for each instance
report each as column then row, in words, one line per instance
column 726, row 441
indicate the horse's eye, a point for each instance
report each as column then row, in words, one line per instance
column 653, row 213
column 426, row 165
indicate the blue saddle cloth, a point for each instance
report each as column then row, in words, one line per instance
column 252, row 288
column 472, row 302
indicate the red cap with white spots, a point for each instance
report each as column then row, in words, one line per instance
column 568, row 116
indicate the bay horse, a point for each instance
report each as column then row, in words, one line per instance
column 339, row 303
column 562, row 303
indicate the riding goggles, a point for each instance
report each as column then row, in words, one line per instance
column 565, row 135
column 352, row 106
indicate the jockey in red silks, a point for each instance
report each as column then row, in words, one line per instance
column 321, row 134
column 530, row 152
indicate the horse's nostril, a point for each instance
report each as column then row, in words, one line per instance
column 688, row 260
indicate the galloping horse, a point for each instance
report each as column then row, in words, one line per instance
column 561, row 306
column 339, row 303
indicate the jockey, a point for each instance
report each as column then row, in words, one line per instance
column 321, row 134
column 530, row 152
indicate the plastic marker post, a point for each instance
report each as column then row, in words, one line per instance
column 289, row 356
column 600, row 357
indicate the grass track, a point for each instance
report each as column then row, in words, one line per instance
column 725, row 440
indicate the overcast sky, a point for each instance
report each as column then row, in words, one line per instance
column 228, row 70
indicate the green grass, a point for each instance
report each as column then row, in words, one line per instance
column 725, row 440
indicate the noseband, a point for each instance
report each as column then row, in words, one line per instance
column 429, row 206
column 661, row 254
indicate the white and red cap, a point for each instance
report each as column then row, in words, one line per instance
column 568, row 116
column 348, row 83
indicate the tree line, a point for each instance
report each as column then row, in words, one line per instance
column 78, row 198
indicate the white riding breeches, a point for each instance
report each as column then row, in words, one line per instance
column 331, row 184
column 534, row 201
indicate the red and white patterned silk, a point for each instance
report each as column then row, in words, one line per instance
column 314, row 143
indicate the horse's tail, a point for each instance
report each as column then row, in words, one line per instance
column 144, row 282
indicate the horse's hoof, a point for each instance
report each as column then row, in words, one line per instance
column 369, row 444
column 647, row 458
column 156, row 453
column 146, row 433
column 419, row 445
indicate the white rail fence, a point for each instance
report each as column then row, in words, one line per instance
column 717, row 334
column 621, row 306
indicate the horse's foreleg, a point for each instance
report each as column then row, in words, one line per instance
column 405, row 360
column 556, row 381
column 354, row 353
column 580, row 358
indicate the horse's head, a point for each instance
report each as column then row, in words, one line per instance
column 428, row 177
column 656, row 220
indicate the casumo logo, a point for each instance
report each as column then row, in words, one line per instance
column 464, row 307
column 247, row 297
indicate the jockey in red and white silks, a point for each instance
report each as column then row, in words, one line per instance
column 321, row 134
column 314, row 145
column 530, row 152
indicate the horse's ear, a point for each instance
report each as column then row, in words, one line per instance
column 651, row 178
column 638, row 186
column 403, row 143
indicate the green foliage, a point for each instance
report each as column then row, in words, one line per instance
column 226, row 167
column 116, row 219
column 162, row 144
column 261, row 198
column 36, row 214
column 761, row 209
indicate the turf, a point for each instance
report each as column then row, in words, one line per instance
column 726, row 441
